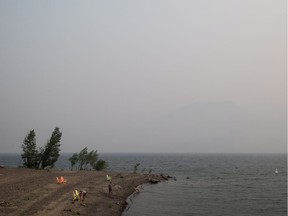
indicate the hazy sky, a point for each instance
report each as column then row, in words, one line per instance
column 116, row 75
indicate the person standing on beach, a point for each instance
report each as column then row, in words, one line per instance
column 110, row 188
column 82, row 195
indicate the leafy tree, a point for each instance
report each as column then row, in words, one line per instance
column 92, row 158
column 30, row 154
column 82, row 157
column 85, row 158
column 74, row 160
column 50, row 153
column 101, row 165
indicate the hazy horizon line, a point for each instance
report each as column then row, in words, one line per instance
column 168, row 153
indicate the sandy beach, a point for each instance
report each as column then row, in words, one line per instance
column 36, row 192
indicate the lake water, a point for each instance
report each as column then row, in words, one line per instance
column 206, row 184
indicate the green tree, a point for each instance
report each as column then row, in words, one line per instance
column 92, row 158
column 74, row 160
column 50, row 153
column 87, row 159
column 101, row 165
column 30, row 154
column 82, row 157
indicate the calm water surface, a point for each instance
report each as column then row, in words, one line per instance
column 207, row 184
column 221, row 185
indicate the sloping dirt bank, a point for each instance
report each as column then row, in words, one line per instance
column 36, row 192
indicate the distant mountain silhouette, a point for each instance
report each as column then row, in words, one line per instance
column 205, row 127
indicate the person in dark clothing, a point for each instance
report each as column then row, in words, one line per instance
column 110, row 188
column 82, row 195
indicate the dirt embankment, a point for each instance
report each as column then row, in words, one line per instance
column 35, row 192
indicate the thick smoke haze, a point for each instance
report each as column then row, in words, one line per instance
column 145, row 76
